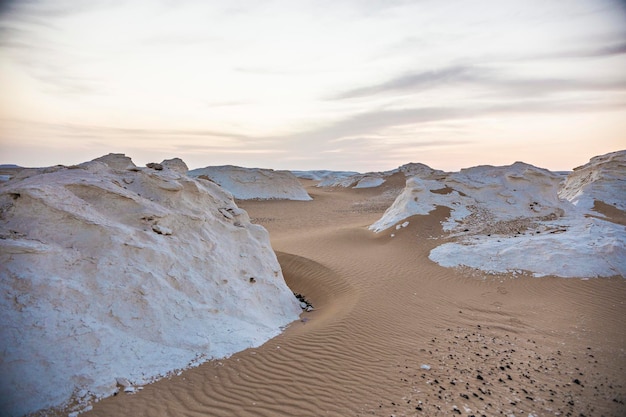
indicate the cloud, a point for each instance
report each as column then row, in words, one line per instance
column 418, row 81
column 177, row 39
column 8, row 7
column 28, row 37
column 490, row 79
column 368, row 124
column 618, row 48
column 547, row 86
column 133, row 134
column 614, row 47
column 32, row 10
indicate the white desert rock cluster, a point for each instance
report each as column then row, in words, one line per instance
column 524, row 218
column 348, row 179
column 254, row 183
column 322, row 174
column 111, row 272
column 479, row 197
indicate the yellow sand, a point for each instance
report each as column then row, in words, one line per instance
column 494, row 344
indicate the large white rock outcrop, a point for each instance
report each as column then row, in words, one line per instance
column 108, row 270
column 524, row 218
column 252, row 183
column 479, row 196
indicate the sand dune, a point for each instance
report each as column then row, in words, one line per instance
column 494, row 344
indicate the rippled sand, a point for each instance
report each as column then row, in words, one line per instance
column 384, row 313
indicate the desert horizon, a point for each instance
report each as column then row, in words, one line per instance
column 581, row 159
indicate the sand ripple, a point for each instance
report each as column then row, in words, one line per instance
column 495, row 344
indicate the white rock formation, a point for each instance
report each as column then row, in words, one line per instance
column 374, row 179
column 252, row 183
column 320, row 175
column 521, row 217
column 490, row 193
column 108, row 270
column 602, row 179
column 370, row 181
column 341, row 179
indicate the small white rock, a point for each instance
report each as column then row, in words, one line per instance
column 123, row 382
column 425, row 367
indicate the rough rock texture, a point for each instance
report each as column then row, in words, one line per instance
column 479, row 197
column 109, row 270
column 524, row 218
column 253, row 183
column 374, row 179
column 320, row 175
column 602, row 179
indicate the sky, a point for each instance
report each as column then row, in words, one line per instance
column 359, row 85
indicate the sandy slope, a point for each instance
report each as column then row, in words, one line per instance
column 494, row 344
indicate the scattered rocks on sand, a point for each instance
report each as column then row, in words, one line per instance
column 304, row 303
column 477, row 372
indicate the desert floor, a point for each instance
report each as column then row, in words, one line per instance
column 495, row 344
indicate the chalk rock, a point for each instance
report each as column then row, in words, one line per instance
column 117, row 161
column 175, row 164
column 105, row 273
column 505, row 217
column 370, row 179
column 602, row 179
column 123, row 382
column 253, row 183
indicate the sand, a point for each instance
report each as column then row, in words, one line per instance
column 393, row 333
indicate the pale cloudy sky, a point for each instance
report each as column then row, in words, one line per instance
column 343, row 84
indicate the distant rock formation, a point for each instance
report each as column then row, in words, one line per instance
column 370, row 179
column 478, row 196
column 254, row 183
column 321, row 174
column 110, row 272
column 524, row 218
